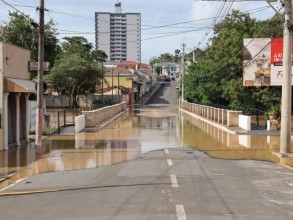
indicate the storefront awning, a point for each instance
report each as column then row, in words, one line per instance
column 19, row 85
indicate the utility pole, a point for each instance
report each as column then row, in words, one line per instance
column 285, row 139
column 183, row 70
column 39, row 111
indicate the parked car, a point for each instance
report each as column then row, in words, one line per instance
column 167, row 79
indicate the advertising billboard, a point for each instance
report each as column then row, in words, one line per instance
column 263, row 61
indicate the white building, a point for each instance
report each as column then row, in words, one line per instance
column 119, row 34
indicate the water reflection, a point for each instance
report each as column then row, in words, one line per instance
column 219, row 144
column 138, row 132
column 142, row 131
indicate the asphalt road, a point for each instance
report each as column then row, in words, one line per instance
column 166, row 94
column 167, row 184
column 177, row 183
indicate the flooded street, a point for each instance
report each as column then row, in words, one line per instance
column 146, row 129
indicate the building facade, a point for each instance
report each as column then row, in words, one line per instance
column 15, row 90
column 119, row 34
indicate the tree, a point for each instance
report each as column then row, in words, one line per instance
column 163, row 58
column 22, row 31
column 222, row 65
column 76, row 71
column 73, row 76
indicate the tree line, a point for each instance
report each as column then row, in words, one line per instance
column 215, row 78
column 76, row 67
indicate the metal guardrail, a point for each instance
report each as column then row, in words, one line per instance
column 61, row 118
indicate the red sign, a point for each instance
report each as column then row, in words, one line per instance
column 277, row 51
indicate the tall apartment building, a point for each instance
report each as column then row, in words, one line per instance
column 119, row 34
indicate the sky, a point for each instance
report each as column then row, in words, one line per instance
column 166, row 24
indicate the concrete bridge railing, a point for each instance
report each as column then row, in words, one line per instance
column 91, row 119
column 218, row 115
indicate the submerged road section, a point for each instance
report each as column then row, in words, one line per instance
column 177, row 183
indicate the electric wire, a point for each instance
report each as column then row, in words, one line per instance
column 260, row 9
column 154, row 27
column 150, row 28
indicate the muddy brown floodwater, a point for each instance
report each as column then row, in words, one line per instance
column 143, row 130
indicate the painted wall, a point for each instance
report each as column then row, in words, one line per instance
column 11, row 64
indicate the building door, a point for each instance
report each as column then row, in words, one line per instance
column 22, row 118
column 11, row 119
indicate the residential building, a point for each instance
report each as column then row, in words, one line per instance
column 15, row 90
column 119, row 34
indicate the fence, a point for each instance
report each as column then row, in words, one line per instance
column 225, row 115
column 219, row 115
column 61, row 117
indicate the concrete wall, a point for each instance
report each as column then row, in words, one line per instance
column 99, row 116
column 14, row 62
column 124, row 80
column 232, row 118
column 79, row 123
column 244, row 122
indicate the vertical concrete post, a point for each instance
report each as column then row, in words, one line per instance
column 17, row 97
column 27, row 117
column 5, row 117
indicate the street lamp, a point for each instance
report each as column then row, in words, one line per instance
column 101, row 60
column 112, row 84
column 176, row 53
column 118, row 87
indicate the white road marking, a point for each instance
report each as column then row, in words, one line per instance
column 7, row 187
column 180, row 212
column 166, row 151
column 174, row 180
column 169, row 162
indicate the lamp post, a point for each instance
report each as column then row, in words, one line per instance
column 101, row 60
column 112, row 84
column 102, row 83
column 183, row 70
column 118, row 87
